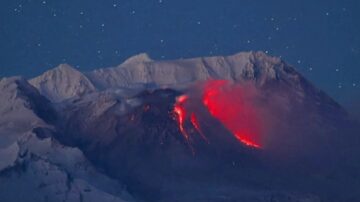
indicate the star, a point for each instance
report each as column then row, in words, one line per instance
column 18, row 10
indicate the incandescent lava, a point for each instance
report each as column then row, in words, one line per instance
column 230, row 105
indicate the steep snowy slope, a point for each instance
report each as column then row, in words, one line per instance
column 33, row 165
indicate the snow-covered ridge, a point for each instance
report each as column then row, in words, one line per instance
column 140, row 71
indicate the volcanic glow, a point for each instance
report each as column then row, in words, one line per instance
column 180, row 111
column 229, row 104
column 195, row 122
column 182, row 115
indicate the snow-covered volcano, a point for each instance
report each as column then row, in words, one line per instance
column 246, row 127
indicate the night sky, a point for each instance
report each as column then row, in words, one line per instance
column 320, row 37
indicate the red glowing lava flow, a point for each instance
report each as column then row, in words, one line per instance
column 182, row 116
column 180, row 111
column 228, row 104
column 195, row 122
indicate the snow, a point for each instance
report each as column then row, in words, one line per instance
column 62, row 83
column 44, row 170
column 33, row 169
column 8, row 156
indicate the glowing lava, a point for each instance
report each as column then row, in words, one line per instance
column 180, row 111
column 182, row 115
column 196, row 124
column 227, row 103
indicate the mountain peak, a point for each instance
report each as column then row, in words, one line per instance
column 65, row 67
column 62, row 82
column 139, row 58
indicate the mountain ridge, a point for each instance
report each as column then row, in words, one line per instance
column 140, row 72
column 127, row 122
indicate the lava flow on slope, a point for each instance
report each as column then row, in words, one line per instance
column 180, row 111
column 182, row 116
column 229, row 104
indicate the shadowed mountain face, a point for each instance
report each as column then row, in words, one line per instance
column 165, row 131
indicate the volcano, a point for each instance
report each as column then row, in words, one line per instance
column 245, row 127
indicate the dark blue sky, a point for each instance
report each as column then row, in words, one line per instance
column 320, row 37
